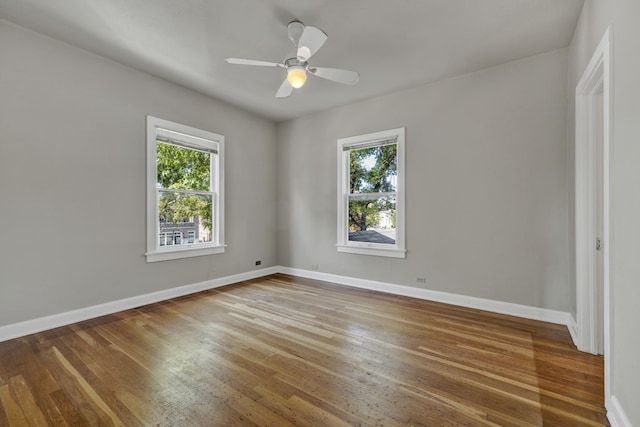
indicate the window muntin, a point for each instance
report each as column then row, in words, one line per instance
column 370, row 197
column 184, row 191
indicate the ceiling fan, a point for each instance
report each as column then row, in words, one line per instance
column 307, row 41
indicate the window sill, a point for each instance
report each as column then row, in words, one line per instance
column 374, row 251
column 184, row 253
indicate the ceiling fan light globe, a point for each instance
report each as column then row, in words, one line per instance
column 296, row 76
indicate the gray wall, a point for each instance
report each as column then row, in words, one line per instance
column 72, row 179
column 489, row 182
column 487, row 205
column 595, row 18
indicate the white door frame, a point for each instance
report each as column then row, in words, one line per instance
column 595, row 79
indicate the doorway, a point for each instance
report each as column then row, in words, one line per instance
column 593, row 208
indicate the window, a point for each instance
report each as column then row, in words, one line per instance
column 371, row 194
column 185, row 183
column 165, row 239
column 177, row 238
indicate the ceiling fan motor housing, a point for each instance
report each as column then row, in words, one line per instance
column 295, row 62
column 295, row 28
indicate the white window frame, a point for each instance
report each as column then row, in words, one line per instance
column 366, row 248
column 196, row 138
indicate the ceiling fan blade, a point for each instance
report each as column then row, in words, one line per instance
column 240, row 61
column 311, row 40
column 285, row 89
column 336, row 75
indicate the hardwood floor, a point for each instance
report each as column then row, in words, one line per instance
column 283, row 351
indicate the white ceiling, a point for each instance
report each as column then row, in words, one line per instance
column 394, row 44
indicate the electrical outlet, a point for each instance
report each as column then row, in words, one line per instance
column 258, row 262
column 421, row 279
column 314, row 267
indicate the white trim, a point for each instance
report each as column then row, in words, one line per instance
column 377, row 251
column 33, row 326
column 27, row 327
column 524, row 311
column 598, row 73
column 184, row 251
column 197, row 139
column 591, row 82
column 573, row 330
column 53, row 321
column 182, row 139
column 616, row 415
column 398, row 250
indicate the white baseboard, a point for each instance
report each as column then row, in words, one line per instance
column 15, row 330
column 55, row 320
column 616, row 415
column 527, row 312
column 573, row 330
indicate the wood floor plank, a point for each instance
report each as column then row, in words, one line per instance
column 84, row 386
column 11, row 408
column 41, row 384
column 30, row 409
column 289, row 351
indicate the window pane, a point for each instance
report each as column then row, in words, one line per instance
column 372, row 220
column 182, row 168
column 184, row 218
column 373, row 170
column 165, row 239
